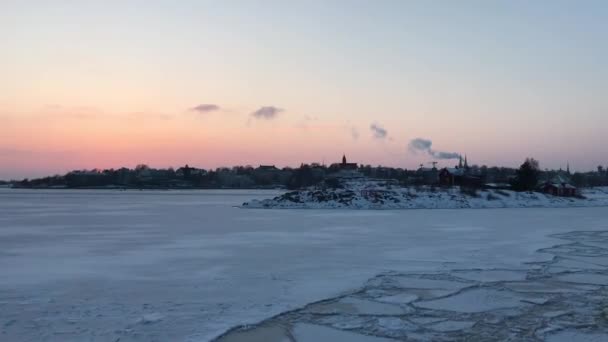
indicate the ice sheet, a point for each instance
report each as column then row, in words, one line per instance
column 316, row 333
column 188, row 266
column 475, row 300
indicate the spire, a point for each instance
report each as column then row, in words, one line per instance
column 568, row 168
column 460, row 163
column 344, row 159
column 466, row 164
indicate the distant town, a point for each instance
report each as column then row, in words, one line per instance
column 526, row 178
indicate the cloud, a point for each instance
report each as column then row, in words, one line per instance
column 266, row 112
column 420, row 144
column 205, row 108
column 446, row 155
column 425, row 146
column 378, row 131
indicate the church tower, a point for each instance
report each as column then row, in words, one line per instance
column 466, row 164
column 344, row 159
column 460, row 163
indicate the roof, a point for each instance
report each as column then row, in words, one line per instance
column 455, row 171
column 561, row 181
column 267, row 167
column 561, row 185
column 426, row 169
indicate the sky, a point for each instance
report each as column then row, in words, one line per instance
column 104, row 84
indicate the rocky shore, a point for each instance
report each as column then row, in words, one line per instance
column 373, row 194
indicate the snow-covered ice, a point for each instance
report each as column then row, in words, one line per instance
column 401, row 298
column 585, row 278
column 190, row 266
column 491, row 275
column 350, row 305
column 475, row 300
column 570, row 336
column 364, row 193
column 317, row 333
column 446, row 326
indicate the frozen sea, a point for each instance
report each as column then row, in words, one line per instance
column 104, row 265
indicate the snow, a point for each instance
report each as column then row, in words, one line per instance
column 585, row 278
column 491, row 275
column 271, row 333
column 536, row 300
column 110, row 265
column 553, row 314
column 426, row 320
column 566, row 264
column 368, row 307
column 317, row 333
column 549, row 287
column 411, row 282
column 475, row 300
column 395, row 323
column 446, row 326
column 350, row 305
column 151, row 318
column 402, row 298
column 347, row 322
column 366, row 193
column 575, row 336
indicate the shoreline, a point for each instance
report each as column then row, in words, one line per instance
column 133, row 188
column 371, row 195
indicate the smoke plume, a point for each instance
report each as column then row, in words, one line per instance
column 425, row 146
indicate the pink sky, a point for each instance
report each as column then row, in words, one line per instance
column 57, row 139
column 91, row 85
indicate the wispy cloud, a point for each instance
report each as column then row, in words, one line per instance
column 267, row 112
column 205, row 108
column 378, row 131
column 425, row 146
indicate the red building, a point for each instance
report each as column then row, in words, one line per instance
column 559, row 186
column 450, row 176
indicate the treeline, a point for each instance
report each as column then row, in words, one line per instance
column 527, row 177
column 144, row 176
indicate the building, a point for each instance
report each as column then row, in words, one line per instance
column 451, row 176
column 427, row 175
column 462, row 175
column 346, row 165
column 188, row 172
column 560, row 186
column 345, row 169
column 271, row 168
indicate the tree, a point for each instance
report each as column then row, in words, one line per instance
column 579, row 180
column 527, row 175
column 301, row 178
